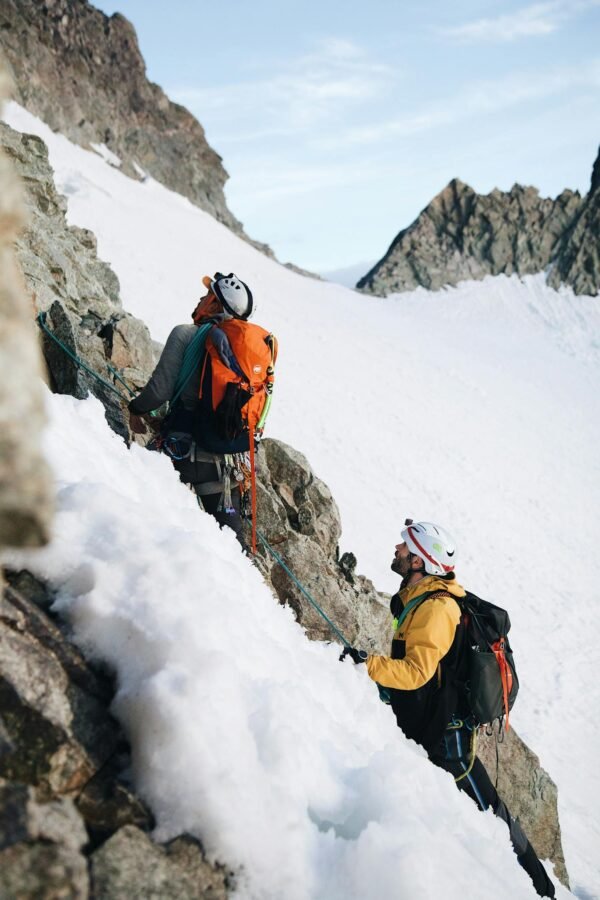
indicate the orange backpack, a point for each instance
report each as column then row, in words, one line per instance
column 241, row 399
column 236, row 386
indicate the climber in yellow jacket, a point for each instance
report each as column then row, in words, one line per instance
column 423, row 674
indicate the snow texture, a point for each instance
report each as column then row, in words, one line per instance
column 476, row 407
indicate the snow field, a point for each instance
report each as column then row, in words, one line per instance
column 244, row 733
column 476, row 407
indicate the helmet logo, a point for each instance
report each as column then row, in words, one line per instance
column 257, row 369
column 438, row 547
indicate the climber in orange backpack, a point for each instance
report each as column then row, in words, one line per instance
column 217, row 375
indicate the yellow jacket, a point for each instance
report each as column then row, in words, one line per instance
column 427, row 634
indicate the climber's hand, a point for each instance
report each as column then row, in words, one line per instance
column 359, row 656
column 137, row 424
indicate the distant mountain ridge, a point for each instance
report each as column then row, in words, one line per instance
column 464, row 235
column 83, row 74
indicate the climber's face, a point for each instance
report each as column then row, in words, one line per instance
column 208, row 305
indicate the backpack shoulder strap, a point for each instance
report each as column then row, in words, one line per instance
column 416, row 601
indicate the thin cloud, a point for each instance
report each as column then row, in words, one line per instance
column 316, row 88
column 532, row 21
column 483, row 98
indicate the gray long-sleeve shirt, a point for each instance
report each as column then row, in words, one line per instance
column 161, row 386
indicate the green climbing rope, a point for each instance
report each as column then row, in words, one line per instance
column 41, row 320
column 310, row 599
column 120, row 378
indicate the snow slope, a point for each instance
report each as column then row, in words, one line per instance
column 243, row 732
column 476, row 407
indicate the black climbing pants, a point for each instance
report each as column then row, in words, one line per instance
column 453, row 755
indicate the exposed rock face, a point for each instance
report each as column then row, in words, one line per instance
column 82, row 72
column 63, row 791
column 529, row 793
column 300, row 520
column 25, row 483
column 40, row 846
column 578, row 259
column 131, row 865
column 463, row 235
column 52, row 707
column 80, row 293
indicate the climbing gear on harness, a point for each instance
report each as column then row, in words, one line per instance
column 178, row 445
column 457, row 725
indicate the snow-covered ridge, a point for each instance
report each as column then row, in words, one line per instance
column 476, row 407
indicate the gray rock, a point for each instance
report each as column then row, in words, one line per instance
column 529, row 793
column 78, row 292
column 577, row 261
column 107, row 803
column 26, row 490
column 301, row 521
column 130, row 865
column 24, row 583
column 43, row 871
column 464, row 235
column 51, row 706
column 40, row 847
column 83, row 74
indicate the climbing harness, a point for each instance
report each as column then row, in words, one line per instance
column 455, row 725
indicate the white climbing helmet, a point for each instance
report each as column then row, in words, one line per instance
column 235, row 296
column 433, row 545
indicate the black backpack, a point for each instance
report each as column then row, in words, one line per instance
column 488, row 676
column 484, row 673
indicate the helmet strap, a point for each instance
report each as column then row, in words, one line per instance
column 408, row 578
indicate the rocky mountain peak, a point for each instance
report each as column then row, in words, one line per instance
column 595, row 184
column 464, row 235
column 82, row 72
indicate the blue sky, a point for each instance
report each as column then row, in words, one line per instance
column 339, row 121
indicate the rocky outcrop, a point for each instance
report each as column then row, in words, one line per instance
column 577, row 261
column 301, row 522
column 80, row 294
column 463, row 235
column 70, row 823
column 529, row 793
column 25, row 483
column 83, row 74
column 40, row 846
column 131, row 865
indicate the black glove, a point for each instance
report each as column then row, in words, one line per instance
column 359, row 656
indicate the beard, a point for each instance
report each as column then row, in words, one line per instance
column 401, row 565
